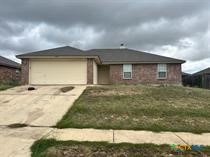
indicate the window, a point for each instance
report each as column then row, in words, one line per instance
column 162, row 71
column 127, row 71
column 17, row 72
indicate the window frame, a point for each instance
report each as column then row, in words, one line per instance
column 127, row 71
column 159, row 70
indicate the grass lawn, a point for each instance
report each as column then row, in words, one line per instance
column 7, row 85
column 52, row 148
column 139, row 107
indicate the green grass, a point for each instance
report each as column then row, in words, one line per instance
column 9, row 84
column 53, row 148
column 138, row 107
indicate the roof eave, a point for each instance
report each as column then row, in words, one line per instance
column 97, row 58
column 140, row 62
column 11, row 66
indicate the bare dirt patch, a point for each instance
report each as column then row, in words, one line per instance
column 17, row 125
column 115, row 91
column 52, row 148
column 66, row 89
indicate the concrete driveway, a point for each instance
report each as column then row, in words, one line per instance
column 17, row 142
column 42, row 107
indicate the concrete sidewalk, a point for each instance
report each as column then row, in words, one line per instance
column 17, row 142
column 129, row 136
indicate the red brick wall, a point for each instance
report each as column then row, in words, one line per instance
column 25, row 72
column 8, row 74
column 146, row 73
column 89, row 71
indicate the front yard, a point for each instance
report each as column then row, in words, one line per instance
column 138, row 107
column 52, row 148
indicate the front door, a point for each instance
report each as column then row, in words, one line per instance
column 103, row 74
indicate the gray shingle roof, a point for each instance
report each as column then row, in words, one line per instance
column 205, row 71
column 107, row 56
column 129, row 55
column 185, row 74
column 60, row 51
column 8, row 63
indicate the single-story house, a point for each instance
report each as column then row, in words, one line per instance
column 68, row 65
column 9, row 70
column 201, row 79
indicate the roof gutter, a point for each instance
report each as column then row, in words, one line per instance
column 136, row 62
column 97, row 58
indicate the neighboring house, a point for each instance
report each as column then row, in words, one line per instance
column 9, row 70
column 201, row 78
column 68, row 65
column 186, row 79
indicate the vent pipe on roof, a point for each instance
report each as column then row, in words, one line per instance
column 122, row 46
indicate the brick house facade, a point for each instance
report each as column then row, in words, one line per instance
column 145, row 73
column 9, row 74
column 9, row 70
column 141, row 73
column 95, row 65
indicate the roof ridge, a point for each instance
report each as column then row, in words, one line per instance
column 74, row 48
column 108, row 49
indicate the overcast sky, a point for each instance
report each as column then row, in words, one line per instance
column 174, row 28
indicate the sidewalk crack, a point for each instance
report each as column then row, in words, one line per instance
column 113, row 139
column 181, row 138
column 47, row 134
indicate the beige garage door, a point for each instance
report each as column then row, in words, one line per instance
column 58, row 71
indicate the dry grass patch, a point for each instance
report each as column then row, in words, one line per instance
column 138, row 107
column 110, row 91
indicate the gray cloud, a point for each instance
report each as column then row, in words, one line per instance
column 174, row 28
column 92, row 12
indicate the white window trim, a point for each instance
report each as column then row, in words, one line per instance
column 162, row 78
column 128, row 71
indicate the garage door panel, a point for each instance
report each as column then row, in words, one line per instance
column 60, row 71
